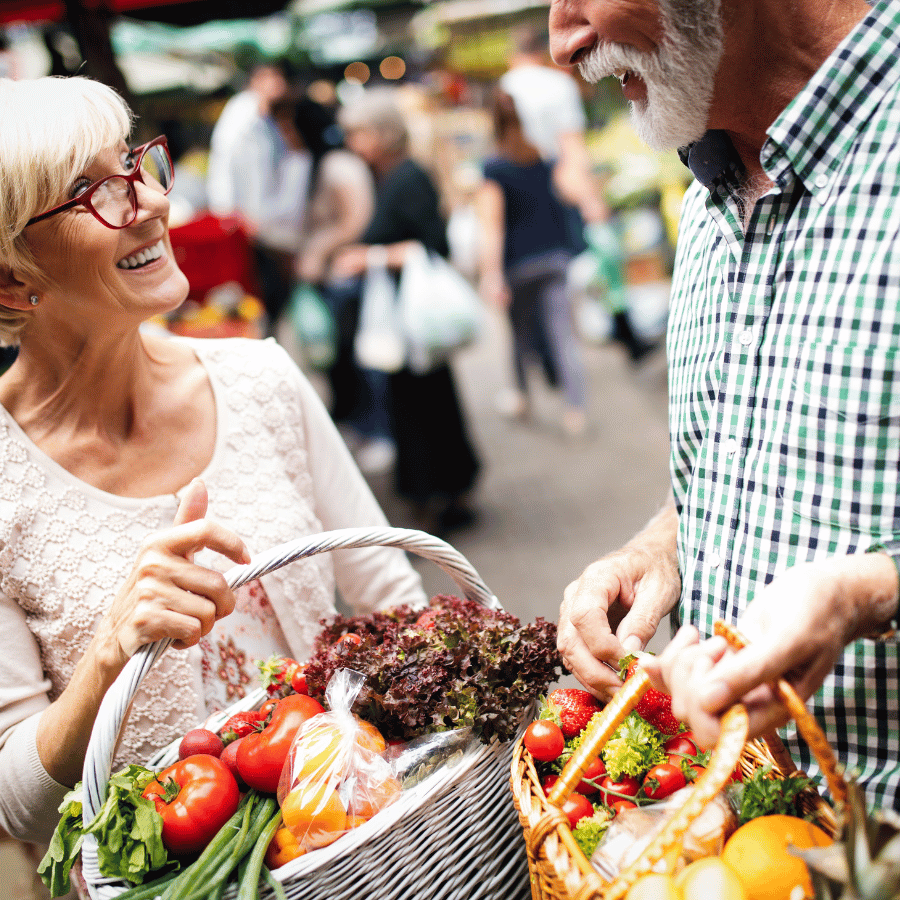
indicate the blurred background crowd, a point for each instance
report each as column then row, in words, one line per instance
column 304, row 133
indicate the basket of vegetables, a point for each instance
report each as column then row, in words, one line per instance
column 618, row 801
column 397, row 787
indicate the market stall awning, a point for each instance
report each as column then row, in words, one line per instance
column 173, row 12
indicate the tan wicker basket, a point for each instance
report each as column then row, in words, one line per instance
column 559, row 869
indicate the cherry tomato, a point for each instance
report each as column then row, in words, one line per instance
column 662, row 780
column 627, row 786
column 298, row 681
column 544, row 740
column 200, row 740
column 621, row 805
column 682, row 744
column 548, row 781
column 195, row 798
column 593, row 773
column 426, row 620
column 737, row 774
column 261, row 756
column 229, row 758
column 577, row 807
column 348, row 640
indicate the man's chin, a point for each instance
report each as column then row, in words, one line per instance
column 662, row 134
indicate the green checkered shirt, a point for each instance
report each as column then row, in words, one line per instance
column 785, row 373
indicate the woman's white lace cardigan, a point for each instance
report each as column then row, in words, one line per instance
column 279, row 470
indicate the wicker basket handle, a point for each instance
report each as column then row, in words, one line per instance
column 115, row 704
column 724, row 758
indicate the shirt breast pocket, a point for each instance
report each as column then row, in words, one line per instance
column 839, row 456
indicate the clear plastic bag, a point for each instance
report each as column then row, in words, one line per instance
column 632, row 830
column 335, row 776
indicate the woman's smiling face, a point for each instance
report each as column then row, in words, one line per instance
column 98, row 270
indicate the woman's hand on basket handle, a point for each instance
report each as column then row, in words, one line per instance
column 796, row 627
column 617, row 603
column 166, row 595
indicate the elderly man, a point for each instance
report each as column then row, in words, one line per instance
column 783, row 352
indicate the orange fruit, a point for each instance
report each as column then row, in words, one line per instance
column 758, row 853
column 314, row 814
column 369, row 736
column 372, row 795
column 705, row 879
column 653, row 887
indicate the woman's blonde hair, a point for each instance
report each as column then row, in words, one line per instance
column 377, row 108
column 52, row 129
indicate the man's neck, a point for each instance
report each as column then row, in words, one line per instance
column 772, row 50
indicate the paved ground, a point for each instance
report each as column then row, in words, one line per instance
column 547, row 505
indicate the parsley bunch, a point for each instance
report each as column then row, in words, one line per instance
column 457, row 664
column 762, row 795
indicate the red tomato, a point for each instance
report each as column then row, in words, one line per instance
column 298, row 681
column 195, row 798
column 593, row 773
column 662, row 780
column 548, row 781
column 627, row 786
column 426, row 620
column 577, row 807
column 348, row 640
column 621, row 805
column 229, row 757
column 544, row 740
column 261, row 756
column 681, row 744
column 200, row 740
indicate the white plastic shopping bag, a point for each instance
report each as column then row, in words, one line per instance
column 379, row 343
column 440, row 311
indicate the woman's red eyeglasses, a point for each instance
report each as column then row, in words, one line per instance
column 113, row 199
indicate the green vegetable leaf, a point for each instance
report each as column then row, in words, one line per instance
column 590, row 831
column 762, row 795
column 633, row 749
column 65, row 846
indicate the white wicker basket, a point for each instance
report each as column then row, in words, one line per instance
column 455, row 835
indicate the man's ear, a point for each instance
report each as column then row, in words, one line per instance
column 13, row 293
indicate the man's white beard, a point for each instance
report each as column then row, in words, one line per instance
column 679, row 77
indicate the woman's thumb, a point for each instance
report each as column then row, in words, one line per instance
column 193, row 503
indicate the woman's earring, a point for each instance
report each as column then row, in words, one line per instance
column 34, row 299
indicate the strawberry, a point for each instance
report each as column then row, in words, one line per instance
column 574, row 708
column 240, row 725
column 654, row 707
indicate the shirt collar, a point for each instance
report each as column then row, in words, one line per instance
column 818, row 127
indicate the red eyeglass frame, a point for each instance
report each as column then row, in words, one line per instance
column 84, row 198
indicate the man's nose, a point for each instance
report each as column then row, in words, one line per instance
column 571, row 34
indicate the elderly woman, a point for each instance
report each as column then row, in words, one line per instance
column 136, row 467
column 436, row 462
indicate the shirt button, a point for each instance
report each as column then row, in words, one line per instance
column 746, row 337
column 731, row 446
column 715, row 560
column 821, row 180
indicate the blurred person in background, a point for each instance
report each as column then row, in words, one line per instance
column 551, row 110
column 525, row 252
column 134, row 464
column 340, row 205
column 252, row 173
column 436, row 464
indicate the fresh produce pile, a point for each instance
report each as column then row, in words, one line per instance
column 738, row 849
column 296, row 774
column 455, row 664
